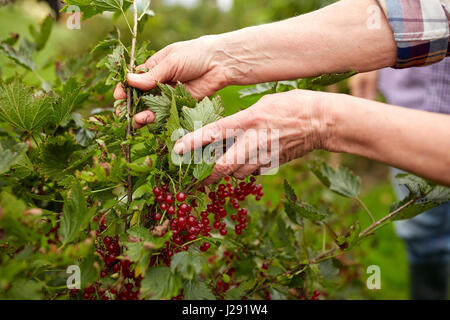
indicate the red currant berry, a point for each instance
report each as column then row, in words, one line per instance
column 181, row 196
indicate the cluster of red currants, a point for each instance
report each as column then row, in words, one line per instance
column 186, row 227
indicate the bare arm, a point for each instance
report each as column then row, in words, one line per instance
column 337, row 38
column 416, row 141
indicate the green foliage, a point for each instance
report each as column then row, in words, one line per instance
column 160, row 282
column 42, row 35
column 342, row 181
column 21, row 109
column 75, row 214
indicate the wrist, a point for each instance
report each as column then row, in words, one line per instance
column 332, row 112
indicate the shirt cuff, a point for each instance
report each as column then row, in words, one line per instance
column 421, row 30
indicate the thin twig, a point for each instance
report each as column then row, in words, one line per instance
column 130, row 101
column 389, row 216
column 331, row 252
column 365, row 208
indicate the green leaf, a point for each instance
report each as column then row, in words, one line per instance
column 10, row 154
column 415, row 185
column 21, row 58
column 24, row 289
column 141, row 233
column 41, row 36
column 187, row 264
column 296, row 211
column 75, row 214
column 439, row 194
column 160, row 283
column 143, row 9
column 66, row 102
column 333, row 78
column 202, row 170
column 56, row 157
column 414, row 209
column 238, row 292
column 351, row 238
column 107, row 44
column 172, row 124
column 109, row 5
column 204, row 113
column 342, row 181
column 160, row 105
column 289, row 191
column 197, row 290
column 21, row 109
column 259, row 89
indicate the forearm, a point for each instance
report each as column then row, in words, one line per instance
column 333, row 39
column 415, row 141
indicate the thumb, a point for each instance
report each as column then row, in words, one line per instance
column 149, row 80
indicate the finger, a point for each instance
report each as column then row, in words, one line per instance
column 119, row 92
column 163, row 72
column 159, row 56
column 143, row 118
column 245, row 171
column 216, row 131
column 225, row 166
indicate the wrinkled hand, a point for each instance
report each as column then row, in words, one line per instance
column 295, row 124
column 364, row 85
column 191, row 62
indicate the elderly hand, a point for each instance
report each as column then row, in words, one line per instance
column 191, row 62
column 278, row 128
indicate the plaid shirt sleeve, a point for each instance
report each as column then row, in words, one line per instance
column 421, row 30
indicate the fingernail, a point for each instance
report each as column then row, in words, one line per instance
column 178, row 148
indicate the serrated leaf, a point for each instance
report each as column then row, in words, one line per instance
column 105, row 44
column 204, row 113
column 187, row 264
column 42, row 35
column 414, row 209
column 415, row 185
column 342, row 181
column 297, row 211
column 66, row 102
column 108, row 5
column 439, row 194
column 160, row 105
column 202, row 170
column 21, row 58
column 10, row 154
column 197, row 290
column 21, row 109
column 289, row 191
column 57, row 157
column 74, row 214
column 161, row 283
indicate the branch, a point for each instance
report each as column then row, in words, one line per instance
column 130, row 102
column 332, row 252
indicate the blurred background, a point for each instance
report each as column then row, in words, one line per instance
column 178, row 20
